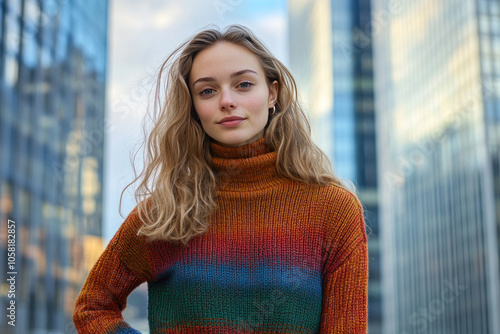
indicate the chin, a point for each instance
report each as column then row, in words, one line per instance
column 234, row 142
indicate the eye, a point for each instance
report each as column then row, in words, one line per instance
column 245, row 84
column 207, row 92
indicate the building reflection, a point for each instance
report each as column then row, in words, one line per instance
column 331, row 59
column 52, row 93
column 438, row 124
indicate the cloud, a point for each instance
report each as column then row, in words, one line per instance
column 168, row 16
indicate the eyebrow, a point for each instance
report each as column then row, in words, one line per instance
column 233, row 75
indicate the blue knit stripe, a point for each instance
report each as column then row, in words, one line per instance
column 258, row 275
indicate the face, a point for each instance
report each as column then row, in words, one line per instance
column 231, row 94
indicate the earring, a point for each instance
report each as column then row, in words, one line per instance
column 273, row 112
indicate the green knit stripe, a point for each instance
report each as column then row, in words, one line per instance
column 197, row 304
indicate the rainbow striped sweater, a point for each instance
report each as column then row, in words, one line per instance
column 280, row 256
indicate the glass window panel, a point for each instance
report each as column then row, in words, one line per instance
column 51, row 7
column 24, row 202
column 483, row 23
column 495, row 26
column 11, row 70
column 495, row 45
column 30, row 52
column 31, row 11
column 5, row 199
column 14, row 6
column 486, row 65
column 2, row 16
column 12, row 38
column 496, row 64
column 46, row 57
column 495, row 9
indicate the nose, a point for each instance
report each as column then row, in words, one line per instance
column 226, row 100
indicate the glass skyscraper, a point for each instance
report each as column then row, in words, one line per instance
column 331, row 59
column 438, row 126
column 52, row 127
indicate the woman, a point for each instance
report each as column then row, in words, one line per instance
column 240, row 226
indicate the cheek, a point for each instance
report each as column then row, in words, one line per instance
column 258, row 103
column 203, row 109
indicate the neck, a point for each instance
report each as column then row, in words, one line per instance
column 249, row 167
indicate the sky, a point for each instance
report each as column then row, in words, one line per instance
column 141, row 34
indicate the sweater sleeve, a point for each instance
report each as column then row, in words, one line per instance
column 345, row 269
column 119, row 270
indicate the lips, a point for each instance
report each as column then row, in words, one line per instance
column 231, row 119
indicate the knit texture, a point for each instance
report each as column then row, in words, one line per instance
column 280, row 256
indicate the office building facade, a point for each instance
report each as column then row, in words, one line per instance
column 438, row 126
column 52, row 127
column 331, row 59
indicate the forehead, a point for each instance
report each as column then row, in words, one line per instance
column 223, row 59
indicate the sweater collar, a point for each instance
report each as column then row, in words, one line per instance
column 246, row 168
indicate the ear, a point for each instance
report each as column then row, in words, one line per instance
column 273, row 94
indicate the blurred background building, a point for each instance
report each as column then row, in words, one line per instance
column 52, row 129
column 331, row 59
column 437, row 67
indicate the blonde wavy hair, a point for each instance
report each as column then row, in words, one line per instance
column 177, row 186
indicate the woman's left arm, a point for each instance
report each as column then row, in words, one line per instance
column 345, row 269
column 345, row 295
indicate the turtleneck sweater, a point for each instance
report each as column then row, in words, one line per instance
column 280, row 256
